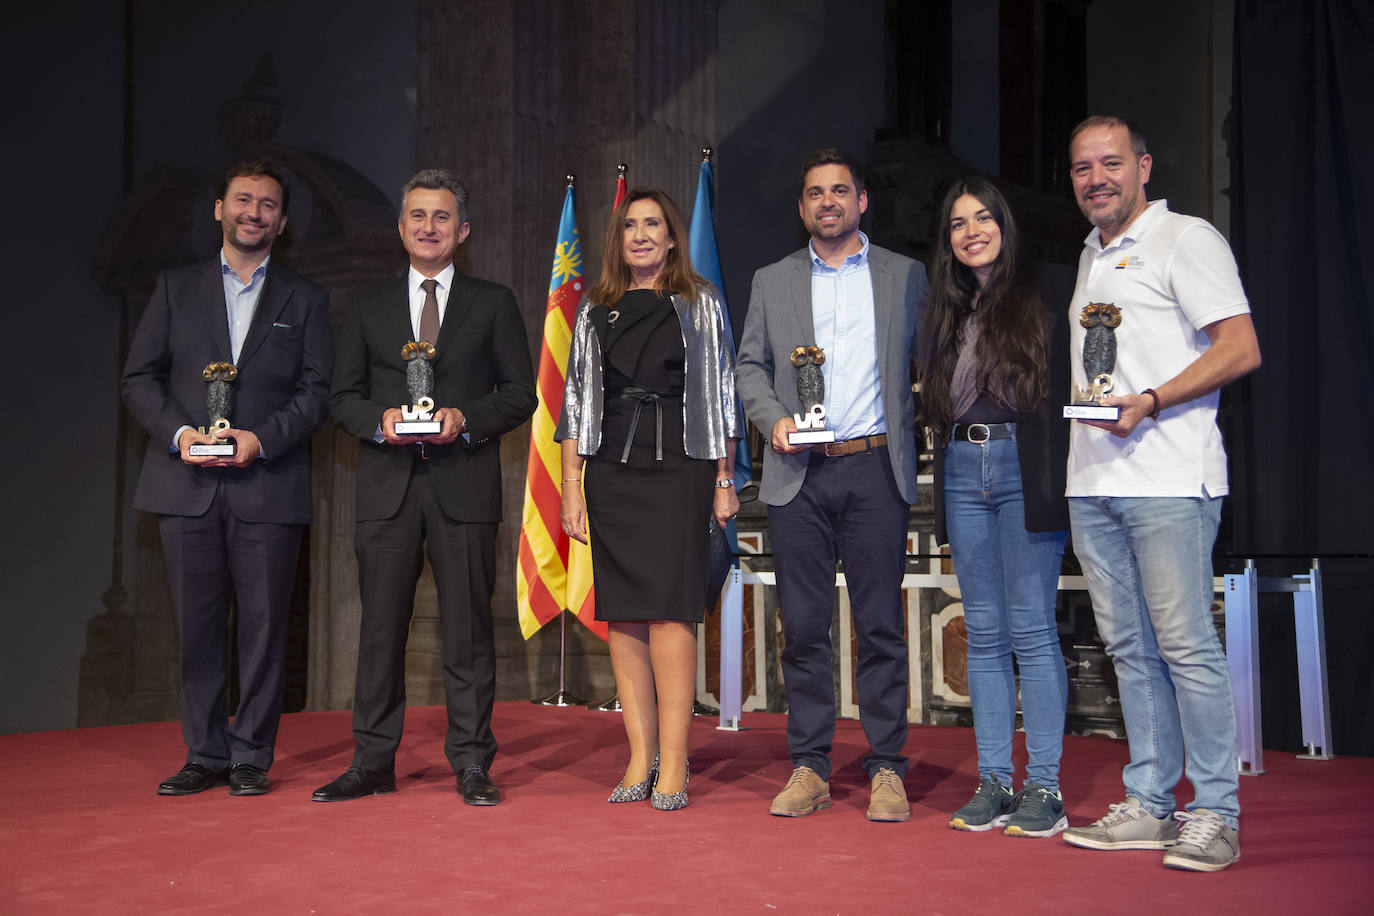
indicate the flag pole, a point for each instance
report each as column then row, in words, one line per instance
column 561, row 697
column 621, row 170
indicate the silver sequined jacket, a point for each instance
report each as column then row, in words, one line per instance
column 711, row 412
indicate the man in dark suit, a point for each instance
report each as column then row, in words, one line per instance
column 232, row 524
column 439, row 493
column 849, row 499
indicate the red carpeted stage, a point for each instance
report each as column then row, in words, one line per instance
column 83, row 831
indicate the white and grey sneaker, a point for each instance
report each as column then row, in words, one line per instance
column 1206, row 842
column 1125, row 826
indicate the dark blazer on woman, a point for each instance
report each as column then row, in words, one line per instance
column 1042, row 439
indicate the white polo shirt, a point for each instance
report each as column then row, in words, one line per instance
column 1171, row 276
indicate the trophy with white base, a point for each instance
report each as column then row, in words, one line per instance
column 219, row 404
column 417, row 417
column 1099, row 361
column 811, row 428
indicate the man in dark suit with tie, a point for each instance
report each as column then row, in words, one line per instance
column 231, row 525
column 849, row 499
column 439, row 493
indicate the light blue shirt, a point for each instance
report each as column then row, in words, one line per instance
column 846, row 329
column 241, row 300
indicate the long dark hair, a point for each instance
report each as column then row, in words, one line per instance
column 1012, row 342
column 678, row 275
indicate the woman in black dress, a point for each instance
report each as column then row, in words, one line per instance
column 649, row 408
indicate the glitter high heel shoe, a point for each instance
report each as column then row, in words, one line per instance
column 637, row 792
column 677, row 800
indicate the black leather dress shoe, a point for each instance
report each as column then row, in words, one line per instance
column 476, row 786
column 246, row 779
column 356, row 783
column 192, row 778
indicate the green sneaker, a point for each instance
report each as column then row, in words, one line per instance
column 1205, row 843
column 1038, row 812
column 1125, row 826
column 990, row 807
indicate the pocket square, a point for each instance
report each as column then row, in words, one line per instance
column 278, row 324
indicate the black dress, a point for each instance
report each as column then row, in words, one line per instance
column 648, row 512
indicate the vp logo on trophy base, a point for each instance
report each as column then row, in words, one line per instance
column 417, row 417
column 811, row 428
column 1099, row 361
column 219, row 404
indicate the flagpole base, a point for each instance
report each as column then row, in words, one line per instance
column 611, row 705
column 559, row 698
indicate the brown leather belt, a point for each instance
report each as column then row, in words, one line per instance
column 853, row 446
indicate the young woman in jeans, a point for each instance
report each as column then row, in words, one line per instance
column 989, row 391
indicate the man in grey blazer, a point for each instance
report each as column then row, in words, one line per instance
column 848, row 500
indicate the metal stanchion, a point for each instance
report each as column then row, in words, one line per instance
column 731, row 651
column 561, row 697
column 611, row 705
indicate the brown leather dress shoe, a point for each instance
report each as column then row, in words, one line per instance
column 356, row 783
column 192, row 778
column 476, row 786
column 805, row 792
column 887, row 799
column 246, row 779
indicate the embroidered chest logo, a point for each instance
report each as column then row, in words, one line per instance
column 1130, row 262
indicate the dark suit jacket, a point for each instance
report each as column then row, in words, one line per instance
column 482, row 367
column 281, row 393
column 1042, row 438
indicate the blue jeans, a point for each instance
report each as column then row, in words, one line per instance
column 1008, row 578
column 1148, row 562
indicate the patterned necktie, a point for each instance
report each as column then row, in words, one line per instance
column 429, row 314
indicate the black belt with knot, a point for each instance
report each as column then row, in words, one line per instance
column 642, row 396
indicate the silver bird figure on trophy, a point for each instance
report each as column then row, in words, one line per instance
column 219, row 395
column 810, row 380
column 419, row 373
column 1100, row 321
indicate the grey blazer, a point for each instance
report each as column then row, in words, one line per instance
column 780, row 319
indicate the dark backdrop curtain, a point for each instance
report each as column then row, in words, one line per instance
column 1302, row 428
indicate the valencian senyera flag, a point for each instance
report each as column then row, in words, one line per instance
column 553, row 572
column 706, row 259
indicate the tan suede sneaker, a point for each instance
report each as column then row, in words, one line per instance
column 887, row 801
column 805, row 792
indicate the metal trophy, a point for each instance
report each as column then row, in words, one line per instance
column 219, row 404
column 1099, row 361
column 417, row 417
column 811, row 429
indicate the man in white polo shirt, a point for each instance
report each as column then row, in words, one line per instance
column 1145, row 495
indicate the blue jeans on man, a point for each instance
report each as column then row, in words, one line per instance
column 1148, row 562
